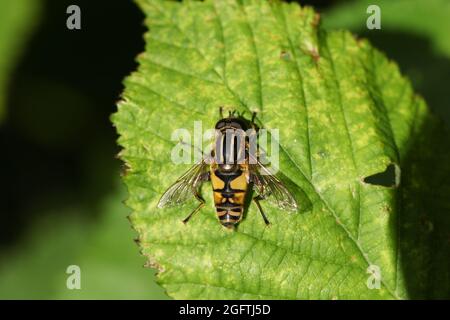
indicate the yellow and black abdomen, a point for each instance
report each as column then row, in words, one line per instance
column 230, row 188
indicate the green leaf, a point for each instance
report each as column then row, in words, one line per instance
column 344, row 113
column 418, row 42
column 17, row 17
column 402, row 15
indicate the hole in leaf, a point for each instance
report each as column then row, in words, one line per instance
column 388, row 178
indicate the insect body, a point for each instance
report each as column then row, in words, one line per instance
column 230, row 179
column 233, row 172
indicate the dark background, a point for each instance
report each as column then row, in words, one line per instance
column 57, row 142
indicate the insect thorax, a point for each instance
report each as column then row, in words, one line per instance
column 231, row 144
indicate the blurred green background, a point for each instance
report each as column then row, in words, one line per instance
column 62, row 199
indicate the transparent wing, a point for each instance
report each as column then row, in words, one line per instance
column 185, row 187
column 270, row 187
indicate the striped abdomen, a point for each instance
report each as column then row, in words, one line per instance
column 229, row 193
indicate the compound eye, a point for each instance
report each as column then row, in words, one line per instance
column 220, row 124
column 236, row 125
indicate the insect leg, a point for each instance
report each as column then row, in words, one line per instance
column 256, row 200
column 221, row 112
column 202, row 203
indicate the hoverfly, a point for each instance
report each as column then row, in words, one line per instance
column 231, row 179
